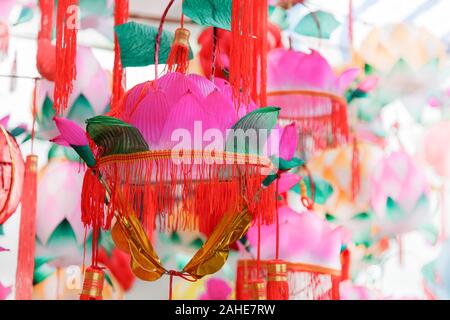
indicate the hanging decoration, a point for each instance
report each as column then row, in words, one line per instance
column 120, row 17
column 218, row 219
column 309, row 93
column 248, row 51
column 178, row 59
column 66, row 51
column 12, row 169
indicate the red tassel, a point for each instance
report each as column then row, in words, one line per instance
column 25, row 260
column 118, row 90
column 277, row 281
column 178, row 60
column 345, row 264
column 356, row 179
column 66, row 50
column 93, row 284
column 248, row 51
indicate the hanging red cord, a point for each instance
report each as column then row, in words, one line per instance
column 158, row 37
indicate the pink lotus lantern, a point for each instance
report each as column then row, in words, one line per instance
column 311, row 247
column 309, row 93
column 191, row 105
column 399, row 195
column 90, row 95
column 342, row 208
column 59, row 230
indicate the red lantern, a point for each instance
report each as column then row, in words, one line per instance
column 11, row 175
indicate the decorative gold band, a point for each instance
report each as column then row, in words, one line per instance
column 278, row 278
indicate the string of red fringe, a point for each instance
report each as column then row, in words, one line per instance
column 169, row 196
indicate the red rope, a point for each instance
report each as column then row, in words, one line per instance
column 258, row 257
column 33, row 111
column 277, row 221
column 185, row 276
column 158, row 37
column 182, row 16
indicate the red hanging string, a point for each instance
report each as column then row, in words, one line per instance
column 182, row 275
column 158, row 38
column 258, row 254
column 356, row 179
column 277, row 284
column 277, row 249
column 350, row 24
column 66, row 50
column 33, row 111
column 46, row 8
column 118, row 87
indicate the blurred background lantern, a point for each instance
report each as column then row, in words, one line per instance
column 310, row 247
column 437, row 156
column 12, row 169
column 90, row 95
column 309, row 93
column 399, row 195
column 341, row 208
column 60, row 233
column 409, row 61
column 436, row 276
